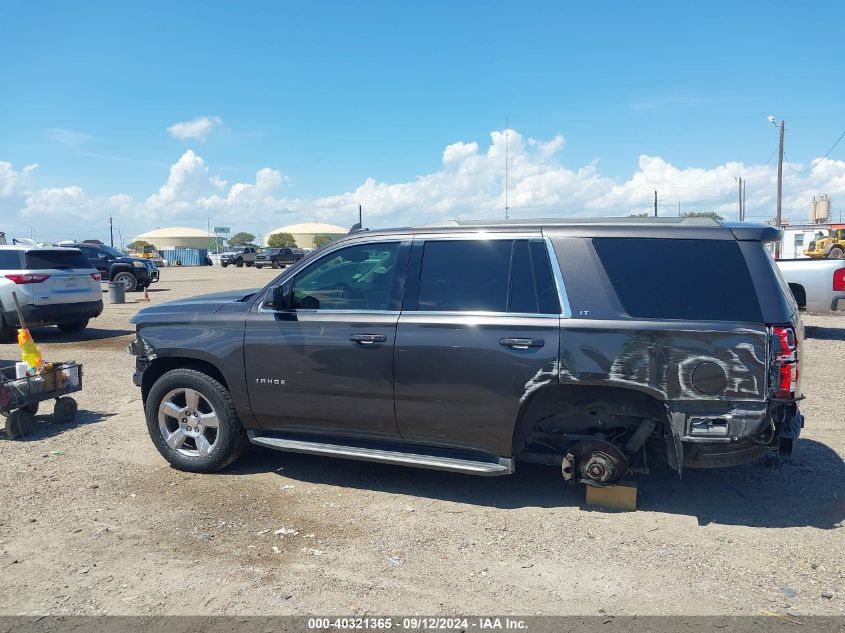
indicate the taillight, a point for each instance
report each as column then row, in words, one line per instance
column 31, row 278
column 786, row 360
column 839, row 280
column 97, row 276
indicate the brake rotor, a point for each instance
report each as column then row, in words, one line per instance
column 595, row 462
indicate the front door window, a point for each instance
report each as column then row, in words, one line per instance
column 354, row 278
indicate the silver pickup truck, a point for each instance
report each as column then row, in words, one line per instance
column 818, row 285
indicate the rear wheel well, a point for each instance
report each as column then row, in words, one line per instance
column 562, row 409
column 800, row 294
column 160, row 366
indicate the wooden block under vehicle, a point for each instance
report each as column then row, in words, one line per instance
column 622, row 496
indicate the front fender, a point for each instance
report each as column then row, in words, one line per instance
column 119, row 268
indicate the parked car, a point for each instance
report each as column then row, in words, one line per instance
column 469, row 347
column 278, row 257
column 54, row 286
column 238, row 255
column 818, row 285
column 135, row 273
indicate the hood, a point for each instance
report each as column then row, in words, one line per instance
column 192, row 307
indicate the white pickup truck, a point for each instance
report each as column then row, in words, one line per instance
column 818, row 285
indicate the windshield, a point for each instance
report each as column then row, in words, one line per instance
column 111, row 250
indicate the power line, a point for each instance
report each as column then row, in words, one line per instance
column 821, row 160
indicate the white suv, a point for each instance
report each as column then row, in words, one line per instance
column 54, row 286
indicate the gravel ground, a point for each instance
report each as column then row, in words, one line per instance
column 93, row 521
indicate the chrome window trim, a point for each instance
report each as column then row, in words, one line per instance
column 476, row 313
column 566, row 310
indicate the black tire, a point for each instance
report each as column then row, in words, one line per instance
column 836, row 253
column 259, row 266
column 275, row 264
column 722, row 455
column 31, row 409
column 239, row 262
column 70, row 327
column 65, row 409
column 223, row 265
column 143, row 286
column 248, row 264
column 19, row 424
column 231, row 439
column 7, row 332
column 129, row 281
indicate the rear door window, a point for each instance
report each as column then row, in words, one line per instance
column 680, row 279
column 62, row 258
column 465, row 275
column 487, row 276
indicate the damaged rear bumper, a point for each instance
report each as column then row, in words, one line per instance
column 730, row 433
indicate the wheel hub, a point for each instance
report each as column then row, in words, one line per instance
column 595, row 462
column 188, row 422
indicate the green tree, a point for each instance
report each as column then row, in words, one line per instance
column 138, row 245
column 321, row 239
column 281, row 240
column 241, row 239
column 644, row 214
column 702, row 214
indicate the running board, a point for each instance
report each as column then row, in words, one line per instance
column 503, row 467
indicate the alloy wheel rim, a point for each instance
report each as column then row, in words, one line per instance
column 188, row 422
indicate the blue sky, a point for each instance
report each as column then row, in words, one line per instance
column 329, row 94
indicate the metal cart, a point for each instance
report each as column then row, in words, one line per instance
column 19, row 397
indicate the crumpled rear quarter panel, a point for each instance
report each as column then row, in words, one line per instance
column 659, row 357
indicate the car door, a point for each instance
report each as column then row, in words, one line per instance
column 479, row 331
column 324, row 362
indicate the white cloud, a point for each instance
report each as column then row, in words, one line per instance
column 11, row 181
column 469, row 184
column 71, row 138
column 197, row 129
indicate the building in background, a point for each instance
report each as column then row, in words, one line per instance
column 796, row 237
column 304, row 233
column 179, row 245
column 177, row 237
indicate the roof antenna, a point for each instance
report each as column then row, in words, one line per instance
column 507, row 134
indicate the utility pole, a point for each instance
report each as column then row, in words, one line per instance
column 744, row 184
column 111, row 232
column 739, row 211
column 655, row 203
column 360, row 222
column 780, row 187
column 679, row 207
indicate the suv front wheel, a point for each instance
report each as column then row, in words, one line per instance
column 192, row 422
column 129, row 281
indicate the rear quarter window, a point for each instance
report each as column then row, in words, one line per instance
column 59, row 258
column 10, row 259
column 699, row 280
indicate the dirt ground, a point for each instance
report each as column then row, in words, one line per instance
column 93, row 521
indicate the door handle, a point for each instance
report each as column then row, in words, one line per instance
column 521, row 343
column 367, row 339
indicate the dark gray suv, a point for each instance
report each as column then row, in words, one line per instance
column 593, row 346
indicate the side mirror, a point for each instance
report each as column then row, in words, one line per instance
column 278, row 297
